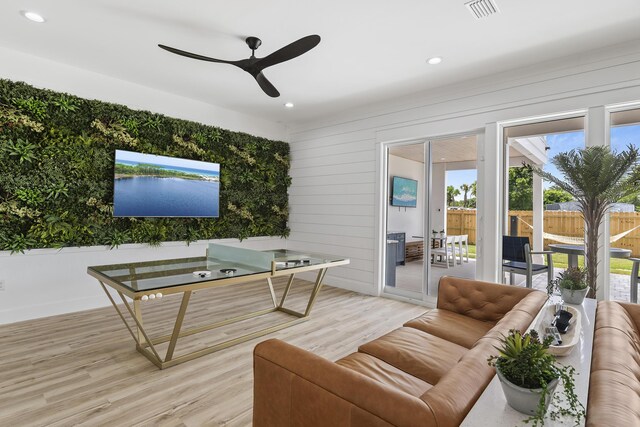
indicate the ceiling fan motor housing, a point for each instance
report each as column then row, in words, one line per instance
column 253, row 42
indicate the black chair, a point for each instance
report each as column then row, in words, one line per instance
column 516, row 259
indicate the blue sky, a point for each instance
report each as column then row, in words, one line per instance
column 166, row 161
column 621, row 137
column 457, row 178
column 558, row 143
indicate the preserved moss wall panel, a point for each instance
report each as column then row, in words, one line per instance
column 56, row 173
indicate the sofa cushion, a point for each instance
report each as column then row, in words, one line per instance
column 618, row 316
column 484, row 301
column 614, row 400
column 418, row 353
column 515, row 319
column 614, row 384
column 618, row 353
column 454, row 327
column 454, row 396
column 385, row 373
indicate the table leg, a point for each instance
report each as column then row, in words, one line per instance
column 573, row 260
column 178, row 325
column 138, row 312
column 633, row 282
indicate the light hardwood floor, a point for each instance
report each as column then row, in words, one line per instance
column 82, row 368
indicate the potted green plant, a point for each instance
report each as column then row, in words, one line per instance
column 572, row 284
column 529, row 375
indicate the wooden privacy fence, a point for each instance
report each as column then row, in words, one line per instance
column 461, row 222
column 564, row 223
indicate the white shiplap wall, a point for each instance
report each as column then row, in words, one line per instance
column 336, row 204
column 332, row 200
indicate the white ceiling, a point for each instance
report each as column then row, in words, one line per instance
column 371, row 50
column 460, row 149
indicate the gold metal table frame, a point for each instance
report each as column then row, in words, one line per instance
column 147, row 345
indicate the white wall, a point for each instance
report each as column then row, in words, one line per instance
column 48, row 282
column 48, row 74
column 407, row 220
column 337, row 162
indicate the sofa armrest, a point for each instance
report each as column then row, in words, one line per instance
column 484, row 301
column 295, row 387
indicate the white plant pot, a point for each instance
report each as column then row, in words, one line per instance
column 525, row 400
column 571, row 296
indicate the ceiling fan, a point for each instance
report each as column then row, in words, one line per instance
column 253, row 65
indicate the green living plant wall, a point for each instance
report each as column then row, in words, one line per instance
column 56, row 173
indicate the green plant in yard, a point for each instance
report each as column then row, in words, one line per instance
column 524, row 361
column 595, row 177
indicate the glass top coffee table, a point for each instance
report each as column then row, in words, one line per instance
column 221, row 266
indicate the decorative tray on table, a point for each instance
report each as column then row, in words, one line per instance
column 570, row 338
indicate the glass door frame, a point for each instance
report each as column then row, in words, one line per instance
column 502, row 131
column 425, row 192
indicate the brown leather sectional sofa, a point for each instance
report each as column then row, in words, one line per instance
column 614, row 384
column 429, row 372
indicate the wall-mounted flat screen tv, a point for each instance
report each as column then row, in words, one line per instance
column 147, row 185
column 404, row 192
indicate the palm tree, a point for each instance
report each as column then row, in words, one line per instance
column 465, row 189
column 596, row 178
column 452, row 192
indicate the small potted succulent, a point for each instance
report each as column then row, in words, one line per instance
column 573, row 285
column 529, row 375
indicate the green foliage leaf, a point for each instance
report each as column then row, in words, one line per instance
column 21, row 150
column 595, row 177
column 524, row 360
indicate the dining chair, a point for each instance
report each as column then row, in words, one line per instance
column 516, row 259
column 446, row 252
column 463, row 251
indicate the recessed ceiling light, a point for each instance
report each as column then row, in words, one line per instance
column 32, row 16
column 442, row 158
column 435, row 60
column 289, row 105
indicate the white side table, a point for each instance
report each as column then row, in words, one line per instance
column 492, row 409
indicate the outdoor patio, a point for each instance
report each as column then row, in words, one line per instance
column 409, row 277
column 619, row 284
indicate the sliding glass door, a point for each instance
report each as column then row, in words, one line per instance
column 430, row 214
column 407, row 185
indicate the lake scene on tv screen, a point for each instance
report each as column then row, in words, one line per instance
column 405, row 192
column 147, row 185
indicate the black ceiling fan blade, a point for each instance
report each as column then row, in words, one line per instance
column 288, row 52
column 266, row 85
column 194, row 55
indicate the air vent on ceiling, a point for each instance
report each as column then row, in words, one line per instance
column 481, row 9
